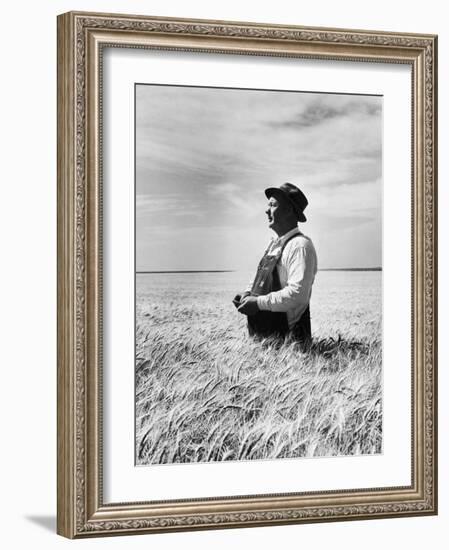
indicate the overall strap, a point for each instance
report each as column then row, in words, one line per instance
column 299, row 234
column 266, row 271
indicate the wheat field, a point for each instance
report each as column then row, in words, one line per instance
column 205, row 391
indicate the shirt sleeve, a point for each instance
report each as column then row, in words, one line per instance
column 301, row 269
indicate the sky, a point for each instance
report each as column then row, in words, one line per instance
column 205, row 155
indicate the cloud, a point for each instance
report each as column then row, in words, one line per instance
column 204, row 157
column 153, row 210
column 328, row 108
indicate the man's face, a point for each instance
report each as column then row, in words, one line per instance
column 278, row 210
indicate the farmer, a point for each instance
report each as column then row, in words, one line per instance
column 277, row 301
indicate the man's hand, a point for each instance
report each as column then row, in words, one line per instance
column 238, row 298
column 248, row 305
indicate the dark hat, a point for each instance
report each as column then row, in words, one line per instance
column 294, row 195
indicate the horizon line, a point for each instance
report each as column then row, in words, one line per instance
column 191, row 271
column 236, row 270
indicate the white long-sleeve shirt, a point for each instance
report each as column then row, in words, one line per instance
column 296, row 268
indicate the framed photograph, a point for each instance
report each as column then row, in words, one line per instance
column 247, row 282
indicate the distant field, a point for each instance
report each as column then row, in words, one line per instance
column 206, row 392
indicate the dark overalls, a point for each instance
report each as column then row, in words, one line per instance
column 270, row 323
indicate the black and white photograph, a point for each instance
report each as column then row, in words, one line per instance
column 258, row 259
column 247, row 282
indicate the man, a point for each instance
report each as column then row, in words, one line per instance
column 277, row 301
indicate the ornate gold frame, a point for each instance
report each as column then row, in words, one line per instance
column 81, row 37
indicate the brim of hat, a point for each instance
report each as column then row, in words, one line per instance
column 273, row 191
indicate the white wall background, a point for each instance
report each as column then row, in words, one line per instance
column 28, row 271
